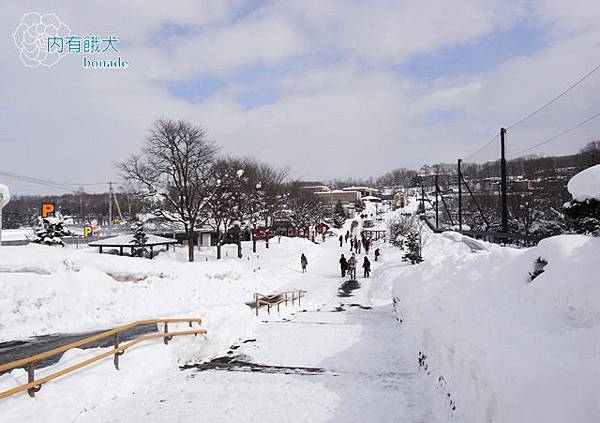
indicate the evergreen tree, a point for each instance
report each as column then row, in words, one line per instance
column 583, row 217
column 339, row 215
column 140, row 238
column 51, row 233
column 413, row 248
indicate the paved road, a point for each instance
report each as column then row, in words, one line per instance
column 16, row 350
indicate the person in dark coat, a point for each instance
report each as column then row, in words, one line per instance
column 303, row 262
column 347, row 236
column 343, row 265
column 377, row 254
column 341, row 240
column 367, row 267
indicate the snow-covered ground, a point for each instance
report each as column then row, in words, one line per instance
column 465, row 336
column 355, row 341
column 47, row 290
column 20, row 234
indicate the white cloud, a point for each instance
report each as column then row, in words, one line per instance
column 341, row 109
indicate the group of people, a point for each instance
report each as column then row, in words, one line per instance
column 356, row 245
column 348, row 266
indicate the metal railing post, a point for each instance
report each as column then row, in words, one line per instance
column 117, row 353
column 31, row 379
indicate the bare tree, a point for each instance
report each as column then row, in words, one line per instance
column 176, row 167
column 303, row 208
column 227, row 205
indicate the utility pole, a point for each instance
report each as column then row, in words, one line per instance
column 503, row 181
column 110, row 192
column 459, row 196
column 118, row 207
column 437, row 192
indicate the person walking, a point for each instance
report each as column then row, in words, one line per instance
column 347, row 236
column 357, row 246
column 303, row 262
column 341, row 239
column 352, row 267
column 367, row 267
column 377, row 254
column 343, row 265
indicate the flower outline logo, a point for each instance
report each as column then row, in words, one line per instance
column 31, row 39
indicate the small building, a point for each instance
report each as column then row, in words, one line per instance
column 364, row 191
column 321, row 228
column 331, row 198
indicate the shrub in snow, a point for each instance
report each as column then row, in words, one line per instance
column 538, row 268
column 583, row 213
column 51, row 233
column 583, row 217
column 139, row 239
column 413, row 248
column 400, row 226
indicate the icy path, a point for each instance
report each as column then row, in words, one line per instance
column 366, row 371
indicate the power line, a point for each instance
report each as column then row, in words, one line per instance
column 539, row 109
column 63, row 186
column 559, row 96
column 481, row 148
column 566, row 131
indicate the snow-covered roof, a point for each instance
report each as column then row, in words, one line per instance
column 371, row 198
column 353, row 188
column 586, row 184
column 127, row 241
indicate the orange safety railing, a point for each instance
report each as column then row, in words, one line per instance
column 32, row 385
column 277, row 299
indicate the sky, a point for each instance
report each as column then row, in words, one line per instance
column 330, row 89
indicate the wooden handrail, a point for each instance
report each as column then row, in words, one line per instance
column 277, row 299
column 102, row 335
column 33, row 386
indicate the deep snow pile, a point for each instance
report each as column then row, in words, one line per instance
column 586, row 184
column 57, row 290
column 502, row 347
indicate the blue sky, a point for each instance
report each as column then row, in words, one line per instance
column 465, row 59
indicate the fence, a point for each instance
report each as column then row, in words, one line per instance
column 32, row 386
column 494, row 237
column 277, row 299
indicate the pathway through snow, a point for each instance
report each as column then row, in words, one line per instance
column 364, row 369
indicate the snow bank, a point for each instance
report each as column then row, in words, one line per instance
column 504, row 348
column 46, row 290
column 586, row 184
